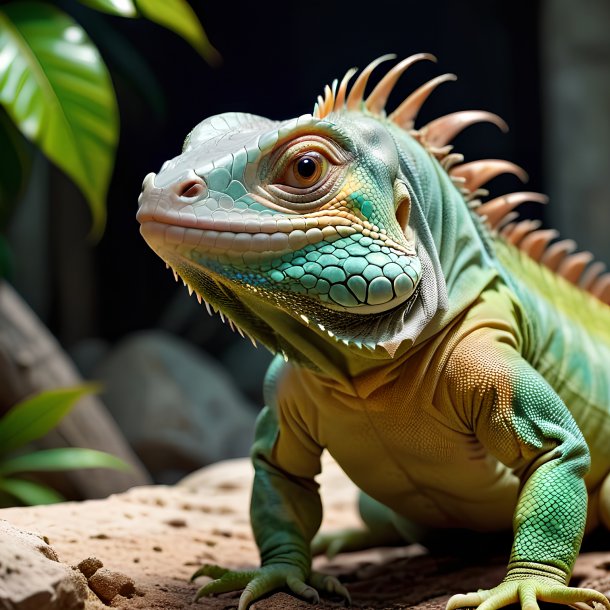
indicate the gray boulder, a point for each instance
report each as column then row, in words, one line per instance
column 178, row 407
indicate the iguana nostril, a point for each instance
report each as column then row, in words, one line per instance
column 191, row 188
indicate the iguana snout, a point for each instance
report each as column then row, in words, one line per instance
column 295, row 213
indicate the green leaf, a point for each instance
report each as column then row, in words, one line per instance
column 57, row 90
column 30, row 493
column 34, row 417
column 65, row 458
column 122, row 8
column 178, row 16
column 125, row 61
column 14, row 169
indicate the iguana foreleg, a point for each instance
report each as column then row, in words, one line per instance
column 286, row 512
column 525, row 424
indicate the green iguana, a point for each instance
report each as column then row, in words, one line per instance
column 440, row 351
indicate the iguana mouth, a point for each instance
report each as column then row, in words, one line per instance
column 320, row 253
column 164, row 206
column 176, row 249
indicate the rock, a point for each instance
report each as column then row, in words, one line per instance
column 88, row 567
column 31, row 577
column 176, row 406
column 87, row 355
column 107, row 584
column 151, row 539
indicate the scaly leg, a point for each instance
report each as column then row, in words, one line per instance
column 382, row 527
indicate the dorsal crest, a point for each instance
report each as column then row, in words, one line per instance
column 498, row 214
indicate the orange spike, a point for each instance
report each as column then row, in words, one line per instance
column 536, row 242
column 505, row 220
column 376, row 101
column 601, row 288
column 571, row 267
column 591, row 274
column 408, row 110
column 451, row 160
column 508, row 228
column 519, row 230
column 556, row 252
column 329, row 100
column 356, row 95
column 477, row 173
column 340, row 99
column 317, row 113
column 497, row 208
column 333, row 88
column 442, row 130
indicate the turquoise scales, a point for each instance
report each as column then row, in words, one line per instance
column 411, row 321
column 374, row 272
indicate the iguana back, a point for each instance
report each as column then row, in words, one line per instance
column 449, row 374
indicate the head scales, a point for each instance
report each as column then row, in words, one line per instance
column 468, row 177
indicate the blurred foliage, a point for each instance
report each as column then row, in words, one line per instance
column 56, row 90
column 28, row 421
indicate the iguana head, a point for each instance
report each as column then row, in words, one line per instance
column 299, row 231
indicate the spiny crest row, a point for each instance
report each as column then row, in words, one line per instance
column 499, row 214
column 211, row 309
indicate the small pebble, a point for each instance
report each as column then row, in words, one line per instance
column 107, row 585
column 88, row 567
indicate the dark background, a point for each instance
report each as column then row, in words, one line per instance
column 276, row 59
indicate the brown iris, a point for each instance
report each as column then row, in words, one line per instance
column 305, row 170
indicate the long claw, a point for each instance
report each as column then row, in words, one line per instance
column 463, row 601
column 228, row 581
column 332, row 585
column 304, row 590
column 245, row 600
column 219, row 586
column 573, row 596
column 211, row 570
column 582, row 606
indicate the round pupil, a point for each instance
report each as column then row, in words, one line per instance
column 306, row 167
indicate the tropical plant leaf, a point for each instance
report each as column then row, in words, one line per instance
column 57, row 90
column 30, row 493
column 178, row 16
column 128, row 66
column 34, row 417
column 14, row 169
column 122, row 8
column 65, row 458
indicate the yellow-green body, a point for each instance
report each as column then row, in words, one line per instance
column 415, row 417
column 457, row 382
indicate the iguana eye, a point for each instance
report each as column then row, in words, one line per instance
column 305, row 170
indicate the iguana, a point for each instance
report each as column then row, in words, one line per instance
column 439, row 350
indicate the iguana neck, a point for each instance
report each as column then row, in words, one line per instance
column 456, row 267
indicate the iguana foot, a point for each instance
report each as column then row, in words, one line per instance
column 266, row 579
column 352, row 539
column 527, row 592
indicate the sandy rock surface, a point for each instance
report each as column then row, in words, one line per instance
column 31, row 576
column 137, row 550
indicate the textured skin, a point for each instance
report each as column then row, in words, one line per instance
column 457, row 382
